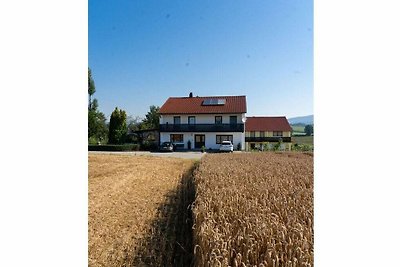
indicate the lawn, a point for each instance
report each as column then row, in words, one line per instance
column 298, row 128
column 308, row 140
column 135, row 205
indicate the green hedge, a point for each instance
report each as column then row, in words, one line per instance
column 125, row 147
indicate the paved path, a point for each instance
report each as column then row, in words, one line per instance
column 183, row 155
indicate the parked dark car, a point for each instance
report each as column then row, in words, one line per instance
column 167, row 146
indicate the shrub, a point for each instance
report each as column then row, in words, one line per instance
column 239, row 146
column 124, row 147
column 149, row 146
column 302, row 147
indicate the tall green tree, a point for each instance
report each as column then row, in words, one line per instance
column 91, row 87
column 97, row 128
column 117, row 128
column 152, row 119
column 309, row 129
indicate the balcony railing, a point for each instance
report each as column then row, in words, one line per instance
column 239, row 127
column 269, row 139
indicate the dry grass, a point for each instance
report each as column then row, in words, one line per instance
column 254, row 210
column 135, row 205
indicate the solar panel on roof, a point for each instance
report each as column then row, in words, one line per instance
column 206, row 102
column 214, row 102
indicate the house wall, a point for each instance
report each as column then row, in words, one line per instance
column 201, row 118
column 268, row 134
column 210, row 141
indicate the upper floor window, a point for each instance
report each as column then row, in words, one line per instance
column 218, row 119
column 233, row 119
column 191, row 120
column 262, row 134
column 177, row 120
column 252, row 134
column 279, row 133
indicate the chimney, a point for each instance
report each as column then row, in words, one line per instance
column 190, row 94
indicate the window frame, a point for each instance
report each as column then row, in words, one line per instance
column 277, row 133
column 172, row 138
column 194, row 120
column 177, row 117
column 230, row 120
column 216, row 120
column 219, row 136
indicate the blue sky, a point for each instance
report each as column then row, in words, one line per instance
column 142, row 52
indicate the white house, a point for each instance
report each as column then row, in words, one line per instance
column 194, row 122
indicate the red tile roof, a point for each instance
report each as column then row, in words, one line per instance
column 193, row 105
column 267, row 124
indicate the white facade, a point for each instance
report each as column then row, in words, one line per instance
column 210, row 137
column 202, row 118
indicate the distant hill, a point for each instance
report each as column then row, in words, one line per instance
column 302, row 120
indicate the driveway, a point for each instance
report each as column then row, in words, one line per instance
column 183, row 155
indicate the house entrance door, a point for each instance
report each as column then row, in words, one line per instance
column 199, row 140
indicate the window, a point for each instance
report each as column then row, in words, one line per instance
column 252, row 134
column 218, row 119
column 177, row 120
column 191, row 120
column 278, row 133
column 233, row 119
column 221, row 138
column 262, row 134
column 176, row 138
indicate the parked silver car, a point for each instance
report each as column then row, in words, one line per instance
column 226, row 146
column 167, row 146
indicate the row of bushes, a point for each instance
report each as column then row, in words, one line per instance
column 147, row 146
column 125, row 147
column 302, row 147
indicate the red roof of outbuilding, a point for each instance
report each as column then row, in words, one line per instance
column 193, row 105
column 267, row 124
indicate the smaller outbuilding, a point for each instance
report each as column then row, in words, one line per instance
column 268, row 133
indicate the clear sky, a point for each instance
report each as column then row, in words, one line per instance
column 142, row 52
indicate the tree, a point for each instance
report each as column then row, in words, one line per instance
column 152, row 120
column 134, row 123
column 97, row 128
column 309, row 129
column 117, row 128
column 91, row 87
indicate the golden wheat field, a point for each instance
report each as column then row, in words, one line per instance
column 135, row 207
column 254, row 209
